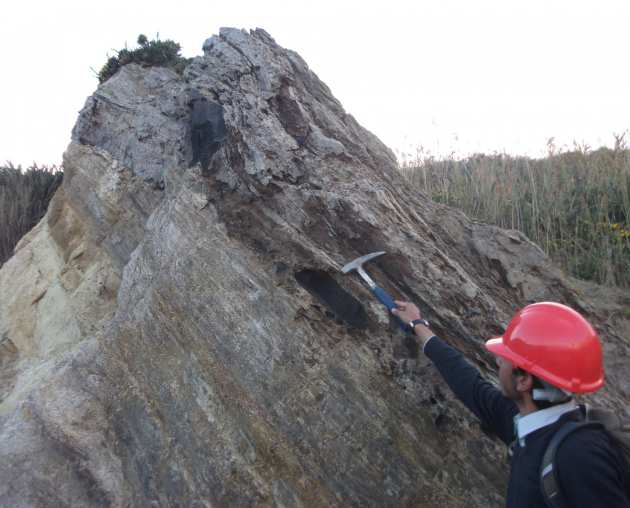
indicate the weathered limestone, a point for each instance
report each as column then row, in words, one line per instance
column 168, row 335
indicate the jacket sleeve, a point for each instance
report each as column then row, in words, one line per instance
column 591, row 471
column 495, row 411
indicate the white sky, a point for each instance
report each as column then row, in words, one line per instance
column 446, row 75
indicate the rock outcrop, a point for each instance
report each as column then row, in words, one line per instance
column 179, row 334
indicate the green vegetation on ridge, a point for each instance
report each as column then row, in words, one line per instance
column 150, row 53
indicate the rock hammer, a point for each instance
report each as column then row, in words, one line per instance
column 377, row 291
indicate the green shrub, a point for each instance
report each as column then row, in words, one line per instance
column 574, row 204
column 149, row 54
column 24, row 198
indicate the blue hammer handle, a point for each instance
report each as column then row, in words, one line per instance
column 388, row 301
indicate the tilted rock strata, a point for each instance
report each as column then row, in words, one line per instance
column 173, row 335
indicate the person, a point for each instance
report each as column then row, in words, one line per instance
column 548, row 353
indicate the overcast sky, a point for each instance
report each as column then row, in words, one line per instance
column 445, row 75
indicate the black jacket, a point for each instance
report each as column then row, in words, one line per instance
column 590, row 468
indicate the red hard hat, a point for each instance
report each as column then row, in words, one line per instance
column 555, row 343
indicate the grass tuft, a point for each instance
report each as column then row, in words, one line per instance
column 149, row 54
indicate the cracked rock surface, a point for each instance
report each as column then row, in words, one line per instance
column 178, row 335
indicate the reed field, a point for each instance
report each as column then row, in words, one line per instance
column 24, row 197
column 574, row 203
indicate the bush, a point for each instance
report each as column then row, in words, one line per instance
column 574, row 204
column 149, row 54
column 24, row 198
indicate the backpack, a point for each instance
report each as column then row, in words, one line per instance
column 617, row 427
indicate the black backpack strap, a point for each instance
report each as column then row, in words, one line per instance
column 549, row 479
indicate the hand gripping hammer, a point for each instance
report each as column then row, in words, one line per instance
column 377, row 291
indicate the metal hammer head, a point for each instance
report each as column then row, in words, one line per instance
column 356, row 264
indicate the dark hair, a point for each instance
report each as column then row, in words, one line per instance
column 536, row 384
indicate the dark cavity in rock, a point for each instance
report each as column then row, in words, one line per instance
column 325, row 288
column 208, row 130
